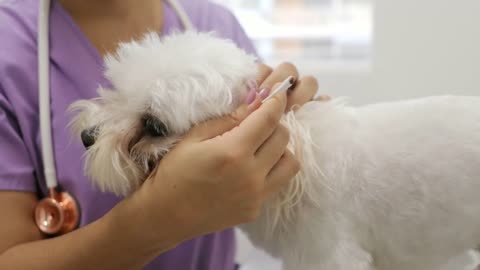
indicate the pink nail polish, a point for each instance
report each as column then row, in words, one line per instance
column 251, row 96
column 264, row 93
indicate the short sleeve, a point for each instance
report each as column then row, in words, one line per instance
column 208, row 16
column 233, row 29
column 239, row 35
column 16, row 168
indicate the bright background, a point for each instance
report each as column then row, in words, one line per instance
column 319, row 34
column 370, row 51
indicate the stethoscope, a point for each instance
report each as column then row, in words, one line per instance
column 59, row 212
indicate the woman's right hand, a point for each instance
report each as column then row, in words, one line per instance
column 219, row 175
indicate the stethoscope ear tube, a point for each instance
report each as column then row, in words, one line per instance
column 44, row 94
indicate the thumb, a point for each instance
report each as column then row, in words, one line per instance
column 216, row 127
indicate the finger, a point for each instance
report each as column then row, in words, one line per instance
column 282, row 173
column 260, row 124
column 322, row 98
column 272, row 150
column 279, row 74
column 263, row 71
column 304, row 91
column 216, row 127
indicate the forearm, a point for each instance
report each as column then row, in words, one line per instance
column 112, row 242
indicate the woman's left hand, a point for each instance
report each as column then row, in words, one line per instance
column 304, row 90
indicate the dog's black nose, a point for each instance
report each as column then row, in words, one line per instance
column 88, row 137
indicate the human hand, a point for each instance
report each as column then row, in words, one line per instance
column 304, row 90
column 220, row 174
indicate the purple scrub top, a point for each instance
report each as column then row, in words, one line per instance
column 76, row 70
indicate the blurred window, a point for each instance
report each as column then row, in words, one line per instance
column 314, row 34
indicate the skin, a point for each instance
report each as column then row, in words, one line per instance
column 238, row 160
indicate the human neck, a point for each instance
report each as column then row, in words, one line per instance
column 120, row 9
column 107, row 22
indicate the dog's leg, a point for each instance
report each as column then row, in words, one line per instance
column 345, row 256
column 349, row 256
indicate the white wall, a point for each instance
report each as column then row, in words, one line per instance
column 421, row 47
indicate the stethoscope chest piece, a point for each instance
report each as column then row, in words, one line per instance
column 57, row 214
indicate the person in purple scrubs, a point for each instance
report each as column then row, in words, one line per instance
column 220, row 181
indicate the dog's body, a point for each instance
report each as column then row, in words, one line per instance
column 392, row 186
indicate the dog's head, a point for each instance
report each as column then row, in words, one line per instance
column 161, row 88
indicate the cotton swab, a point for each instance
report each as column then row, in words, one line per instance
column 284, row 86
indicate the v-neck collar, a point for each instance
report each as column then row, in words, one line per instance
column 58, row 8
column 71, row 50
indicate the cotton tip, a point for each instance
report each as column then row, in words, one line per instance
column 284, row 86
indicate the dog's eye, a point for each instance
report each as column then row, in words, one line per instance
column 153, row 127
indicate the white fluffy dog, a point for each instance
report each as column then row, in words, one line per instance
column 392, row 186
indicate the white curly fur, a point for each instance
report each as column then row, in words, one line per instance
column 390, row 186
column 150, row 76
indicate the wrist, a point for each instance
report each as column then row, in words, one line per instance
column 131, row 221
column 149, row 220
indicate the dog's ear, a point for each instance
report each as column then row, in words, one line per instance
column 109, row 165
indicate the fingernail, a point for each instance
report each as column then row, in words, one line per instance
column 264, row 93
column 251, row 96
